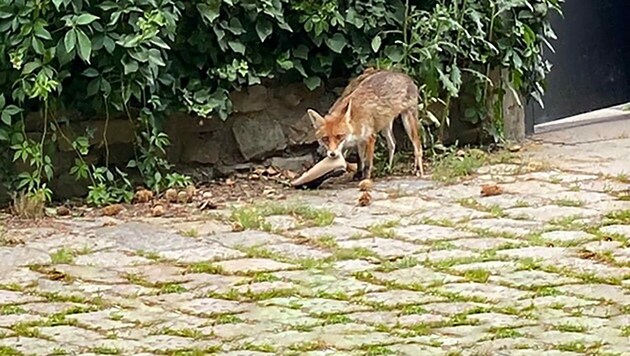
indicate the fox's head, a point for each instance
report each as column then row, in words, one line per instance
column 333, row 130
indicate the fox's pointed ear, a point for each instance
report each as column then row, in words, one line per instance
column 316, row 118
column 348, row 115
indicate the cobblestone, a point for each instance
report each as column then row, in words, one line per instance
column 543, row 269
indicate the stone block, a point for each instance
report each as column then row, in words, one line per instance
column 252, row 99
column 258, row 136
column 202, row 148
column 295, row 164
column 118, row 131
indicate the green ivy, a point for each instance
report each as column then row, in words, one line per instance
column 148, row 58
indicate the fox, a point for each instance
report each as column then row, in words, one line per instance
column 368, row 106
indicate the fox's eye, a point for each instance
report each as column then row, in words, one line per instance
column 325, row 139
column 340, row 137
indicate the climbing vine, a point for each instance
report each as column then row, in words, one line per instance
column 145, row 59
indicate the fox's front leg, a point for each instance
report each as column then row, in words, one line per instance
column 361, row 164
column 369, row 156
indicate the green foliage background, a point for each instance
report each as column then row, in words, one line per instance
column 146, row 58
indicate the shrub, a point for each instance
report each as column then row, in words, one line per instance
column 147, row 58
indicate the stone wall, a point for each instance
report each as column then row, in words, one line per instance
column 269, row 126
column 267, row 122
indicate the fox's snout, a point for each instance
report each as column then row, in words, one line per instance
column 332, row 154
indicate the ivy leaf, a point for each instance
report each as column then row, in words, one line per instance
column 297, row 64
column 456, row 76
column 11, row 110
column 41, row 32
column 109, row 44
column 160, row 43
column 448, row 84
column 301, row 52
column 2, row 101
column 30, row 67
column 86, row 19
column 38, row 45
column 57, row 3
column 312, row 82
column 209, row 11
column 70, row 40
column 130, row 66
column 235, row 26
column 237, row 47
column 93, row 87
column 155, row 57
column 394, row 53
column 354, row 18
column 85, row 45
column 6, row 118
column 336, row 43
column 264, row 29
column 376, row 43
column 90, row 73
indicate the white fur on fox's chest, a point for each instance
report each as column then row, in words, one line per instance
column 358, row 137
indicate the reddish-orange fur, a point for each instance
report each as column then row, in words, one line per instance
column 368, row 106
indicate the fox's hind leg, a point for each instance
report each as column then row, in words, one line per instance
column 388, row 133
column 410, row 121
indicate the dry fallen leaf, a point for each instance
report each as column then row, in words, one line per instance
column 488, row 190
column 112, row 210
column 366, row 185
column 365, row 199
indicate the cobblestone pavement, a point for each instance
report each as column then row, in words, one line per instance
column 542, row 269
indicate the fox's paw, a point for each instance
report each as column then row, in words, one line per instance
column 358, row 176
